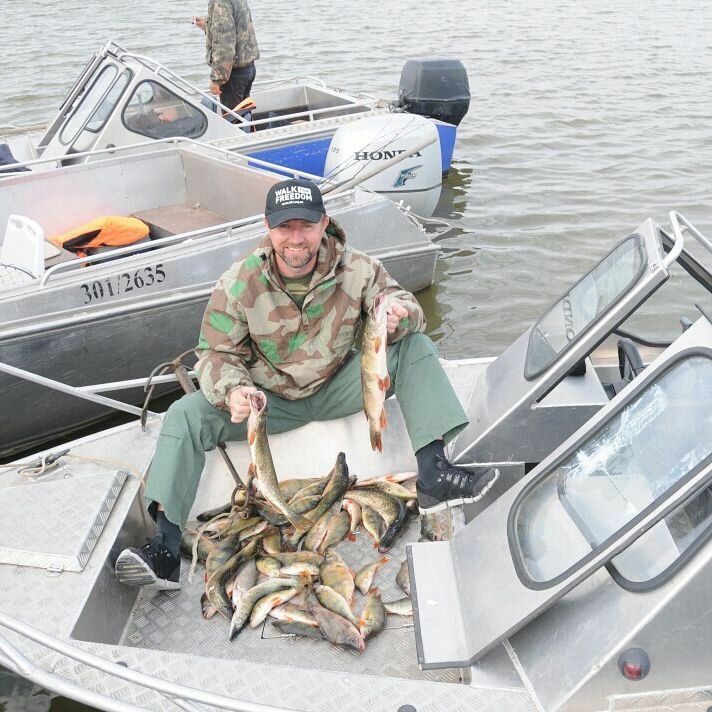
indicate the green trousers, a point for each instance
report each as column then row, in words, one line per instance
column 192, row 426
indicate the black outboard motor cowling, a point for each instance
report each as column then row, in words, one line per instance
column 436, row 88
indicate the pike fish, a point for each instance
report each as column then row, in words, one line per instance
column 205, row 546
column 384, row 504
column 375, row 380
column 262, row 465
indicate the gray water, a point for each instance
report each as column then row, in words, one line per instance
column 585, row 120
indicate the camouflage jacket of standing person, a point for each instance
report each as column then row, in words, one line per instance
column 229, row 38
column 253, row 333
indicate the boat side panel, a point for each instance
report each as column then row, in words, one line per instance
column 307, row 156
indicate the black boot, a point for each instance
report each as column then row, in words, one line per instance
column 445, row 485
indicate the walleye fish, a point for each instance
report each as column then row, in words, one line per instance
column 293, row 614
column 261, row 609
column 250, row 598
column 364, row 578
column 373, row 616
column 262, row 465
column 246, row 578
column 375, row 380
column 215, row 585
column 401, row 607
column 290, row 557
column 298, row 628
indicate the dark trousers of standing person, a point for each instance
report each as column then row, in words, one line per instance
column 238, row 86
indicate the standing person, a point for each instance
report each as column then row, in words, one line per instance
column 285, row 320
column 231, row 49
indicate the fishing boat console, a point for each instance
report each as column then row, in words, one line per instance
column 581, row 584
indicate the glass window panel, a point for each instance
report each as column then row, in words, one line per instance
column 587, row 300
column 88, row 103
column 157, row 112
column 667, row 542
column 103, row 111
column 640, row 454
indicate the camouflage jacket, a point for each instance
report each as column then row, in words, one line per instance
column 253, row 333
column 229, row 38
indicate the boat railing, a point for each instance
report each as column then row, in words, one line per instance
column 190, row 89
column 183, row 696
column 679, row 224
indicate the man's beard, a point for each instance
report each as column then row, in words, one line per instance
column 296, row 260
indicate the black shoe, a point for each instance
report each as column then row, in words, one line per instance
column 152, row 567
column 452, row 485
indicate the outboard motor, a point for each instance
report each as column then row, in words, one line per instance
column 437, row 88
column 362, row 144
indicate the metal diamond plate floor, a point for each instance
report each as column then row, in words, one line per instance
column 172, row 621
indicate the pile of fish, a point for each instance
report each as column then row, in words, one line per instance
column 276, row 557
column 285, row 531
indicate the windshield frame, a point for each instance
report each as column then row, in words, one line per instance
column 639, row 239
column 512, row 536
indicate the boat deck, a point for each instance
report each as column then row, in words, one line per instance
column 164, row 634
column 172, row 621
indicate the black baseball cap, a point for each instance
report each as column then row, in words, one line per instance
column 294, row 200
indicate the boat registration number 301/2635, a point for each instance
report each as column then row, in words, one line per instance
column 122, row 283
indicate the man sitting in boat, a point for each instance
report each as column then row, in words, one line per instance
column 285, row 320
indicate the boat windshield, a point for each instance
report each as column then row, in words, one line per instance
column 155, row 111
column 97, row 97
column 579, row 309
column 642, row 453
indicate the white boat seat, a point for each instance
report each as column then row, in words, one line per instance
column 22, row 254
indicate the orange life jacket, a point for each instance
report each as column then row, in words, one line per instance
column 112, row 230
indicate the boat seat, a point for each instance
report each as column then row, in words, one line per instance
column 178, row 219
column 22, row 251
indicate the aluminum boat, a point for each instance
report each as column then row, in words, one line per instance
column 580, row 583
